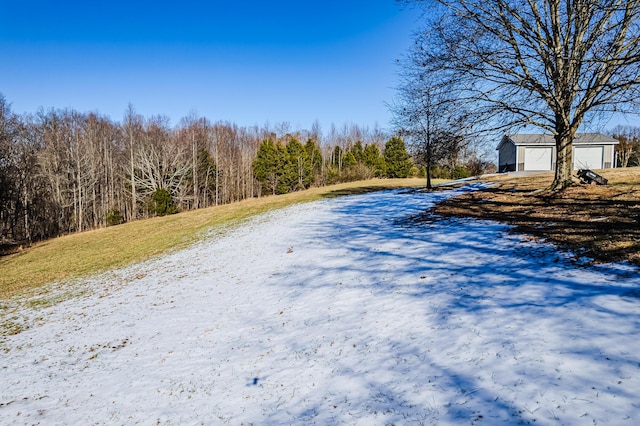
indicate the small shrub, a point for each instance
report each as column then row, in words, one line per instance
column 333, row 175
column 439, row 172
column 162, row 203
column 114, row 217
column 460, row 172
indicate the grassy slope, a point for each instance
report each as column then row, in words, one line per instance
column 107, row 248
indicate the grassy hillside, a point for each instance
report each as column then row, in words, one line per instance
column 107, row 248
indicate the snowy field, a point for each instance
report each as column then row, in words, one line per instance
column 336, row 312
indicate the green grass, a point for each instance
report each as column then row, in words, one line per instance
column 104, row 249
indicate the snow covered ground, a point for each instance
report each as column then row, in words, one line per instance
column 336, row 312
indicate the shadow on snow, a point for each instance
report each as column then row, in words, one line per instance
column 476, row 280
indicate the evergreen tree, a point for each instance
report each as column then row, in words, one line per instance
column 298, row 169
column 397, row 158
column 205, row 170
column 358, row 152
column 373, row 159
column 267, row 166
column 285, row 173
column 162, row 203
column 315, row 157
column 348, row 160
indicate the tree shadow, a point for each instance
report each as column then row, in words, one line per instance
column 605, row 229
column 337, row 193
column 471, row 277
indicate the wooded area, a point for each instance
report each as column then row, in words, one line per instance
column 63, row 171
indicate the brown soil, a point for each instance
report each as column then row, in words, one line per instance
column 599, row 221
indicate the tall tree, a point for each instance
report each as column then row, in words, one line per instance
column 553, row 64
column 161, row 162
column 133, row 133
column 7, row 167
column 374, row 160
column 427, row 115
column 358, row 151
column 268, row 166
column 193, row 134
column 300, row 166
column 315, row 158
column 397, row 158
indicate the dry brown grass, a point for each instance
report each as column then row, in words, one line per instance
column 601, row 222
column 107, row 248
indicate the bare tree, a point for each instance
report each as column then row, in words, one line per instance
column 132, row 127
column 160, row 162
column 377, row 136
column 628, row 150
column 425, row 113
column 553, row 64
column 193, row 133
column 7, row 168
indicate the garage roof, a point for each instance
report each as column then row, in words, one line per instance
column 548, row 140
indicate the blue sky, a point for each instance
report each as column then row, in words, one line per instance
column 248, row 62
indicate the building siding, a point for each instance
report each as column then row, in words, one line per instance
column 608, row 157
column 511, row 150
column 507, row 157
column 521, row 158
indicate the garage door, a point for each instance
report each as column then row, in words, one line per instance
column 538, row 158
column 588, row 157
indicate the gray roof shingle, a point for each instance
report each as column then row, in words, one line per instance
column 547, row 139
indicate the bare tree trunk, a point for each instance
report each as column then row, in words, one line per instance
column 217, row 184
column 133, row 180
column 25, row 202
column 194, row 170
column 429, row 161
column 564, row 157
column 132, row 127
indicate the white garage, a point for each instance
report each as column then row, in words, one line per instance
column 537, row 152
column 538, row 158
column 588, row 157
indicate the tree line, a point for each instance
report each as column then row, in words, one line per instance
column 284, row 167
column 63, row 171
column 628, row 148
